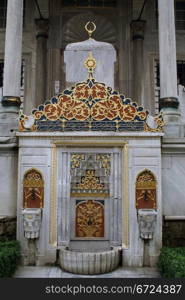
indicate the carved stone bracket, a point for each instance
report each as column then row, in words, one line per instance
column 31, row 222
column 147, row 223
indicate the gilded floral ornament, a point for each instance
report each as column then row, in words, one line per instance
column 90, row 106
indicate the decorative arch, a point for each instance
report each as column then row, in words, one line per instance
column 89, row 219
column 146, row 185
column 33, row 189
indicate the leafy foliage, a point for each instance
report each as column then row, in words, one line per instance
column 172, row 262
column 9, row 257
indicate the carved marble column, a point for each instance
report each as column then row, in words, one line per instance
column 54, row 76
column 42, row 26
column 13, row 54
column 9, row 108
column 168, row 68
column 138, row 28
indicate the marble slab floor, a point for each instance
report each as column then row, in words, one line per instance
column 56, row 272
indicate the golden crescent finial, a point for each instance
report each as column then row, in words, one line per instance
column 90, row 30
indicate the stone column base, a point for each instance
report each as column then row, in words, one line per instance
column 11, row 101
column 89, row 262
column 171, row 116
column 168, row 102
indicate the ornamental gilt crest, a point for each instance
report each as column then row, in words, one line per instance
column 89, row 106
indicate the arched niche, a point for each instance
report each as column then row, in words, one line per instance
column 146, row 190
column 89, row 219
column 33, row 189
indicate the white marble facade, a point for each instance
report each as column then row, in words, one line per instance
column 43, row 152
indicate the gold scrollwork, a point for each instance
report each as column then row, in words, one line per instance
column 105, row 161
column 76, row 159
column 146, row 190
column 33, row 189
column 90, row 181
column 89, row 219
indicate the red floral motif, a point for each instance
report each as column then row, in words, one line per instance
column 142, row 115
column 81, row 92
column 127, row 113
column 38, row 114
column 105, row 109
column 64, row 99
column 52, row 111
column 67, row 105
column 73, row 109
column 82, row 112
column 98, row 91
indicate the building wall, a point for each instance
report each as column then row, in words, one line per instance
column 173, row 191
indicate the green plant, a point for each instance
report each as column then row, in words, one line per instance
column 9, row 257
column 172, row 262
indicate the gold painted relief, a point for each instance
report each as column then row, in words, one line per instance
column 90, row 174
column 105, row 161
column 33, row 189
column 76, row 159
column 89, row 219
column 90, row 181
column 146, row 190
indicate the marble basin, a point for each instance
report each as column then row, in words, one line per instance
column 89, row 263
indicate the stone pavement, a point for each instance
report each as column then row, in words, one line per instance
column 56, row 272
